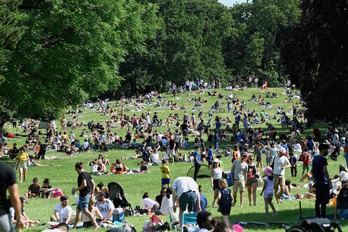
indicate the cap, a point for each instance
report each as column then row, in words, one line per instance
column 216, row 160
column 282, row 151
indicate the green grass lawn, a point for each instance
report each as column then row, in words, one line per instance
column 63, row 174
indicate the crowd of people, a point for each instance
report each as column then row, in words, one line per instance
column 162, row 142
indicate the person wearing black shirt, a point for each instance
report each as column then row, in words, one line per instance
column 8, row 181
column 321, row 179
column 86, row 189
column 184, row 129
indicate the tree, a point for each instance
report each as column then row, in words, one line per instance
column 69, row 51
column 315, row 56
column 188, row 44
column 257, row 29
column 11, row 30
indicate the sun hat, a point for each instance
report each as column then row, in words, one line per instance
column 216, row 160
column 268, row 171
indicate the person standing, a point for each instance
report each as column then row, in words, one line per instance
column 346, row 150
column 224, row 200
column 197, row 162
column 165, row 173
column 22, row 160
column 215, row 176
column 186, row 190
column 8, row 181
column 320, row 176
column 86, row 189
column 239, row 171
column 280, row 163
column 267, row 189
column 306, row 158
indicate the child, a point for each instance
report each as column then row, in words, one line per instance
column 165, row 173
column 268, row 189
column 225, row 199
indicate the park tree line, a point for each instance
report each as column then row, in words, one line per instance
column 54, row 54
column 206, row 40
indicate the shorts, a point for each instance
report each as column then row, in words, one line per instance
column 268, row 160
column 251, row 181
column 165, row 181
column 188, row 199
column 238, row 184
column 24, row 166
column 225, row 211
column 171, row 153
column 268, row 194
column 278, row 180
column 83, row 202
column 306, row 167
column 5, row 223
column 216, row 184
column 258, row 158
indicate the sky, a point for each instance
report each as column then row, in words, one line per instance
column 231, row 2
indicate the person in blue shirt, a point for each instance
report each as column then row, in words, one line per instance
column 210, row 156
column 218, row 125
column 237, row 119
column 285, row 146
column 196, row 161
column 203, row 199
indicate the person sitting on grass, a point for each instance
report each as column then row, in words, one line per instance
column 46, row 189
column 150, row 204
column 118, row 167
column 25, row 218
column 63, row 212
column 106, row 207
column 94, row 212
column 33, row 189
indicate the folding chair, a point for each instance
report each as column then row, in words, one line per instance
column 188, row 219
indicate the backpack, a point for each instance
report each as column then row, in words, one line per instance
column 226, row 199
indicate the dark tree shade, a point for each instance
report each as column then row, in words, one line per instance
column 315, row 56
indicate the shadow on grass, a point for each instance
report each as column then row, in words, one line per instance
column 286, row 216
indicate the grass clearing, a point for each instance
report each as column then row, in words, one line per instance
column 63, row 174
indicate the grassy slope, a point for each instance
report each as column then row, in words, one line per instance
column 64, row 176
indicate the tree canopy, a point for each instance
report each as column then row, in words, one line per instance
column 69, row 50
column 315, row 56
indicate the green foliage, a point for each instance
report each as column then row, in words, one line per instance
column 315, row 57
column 187, row 45
column 71, row 50
column 256, row 43
column 11, row 30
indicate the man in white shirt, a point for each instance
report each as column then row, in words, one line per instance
column 106, row 207
column 186, row 189
column 280, row 163
column 62, row 211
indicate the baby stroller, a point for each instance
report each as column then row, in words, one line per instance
column 116, row 195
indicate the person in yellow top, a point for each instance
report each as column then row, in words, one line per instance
column 165, row 173
column 22, row 160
